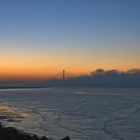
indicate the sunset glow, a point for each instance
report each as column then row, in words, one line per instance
column 39, row 43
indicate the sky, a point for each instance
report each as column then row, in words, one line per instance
column 39, row 38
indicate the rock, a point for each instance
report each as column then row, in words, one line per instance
column 0, row 125
column 10, row 133
column 66, row 138
column 28, row 137
column 44, row 138
column 35, row 137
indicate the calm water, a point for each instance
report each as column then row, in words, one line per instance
column 81, row 113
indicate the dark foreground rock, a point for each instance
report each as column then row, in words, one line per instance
column 66, row 138
column 10, row 133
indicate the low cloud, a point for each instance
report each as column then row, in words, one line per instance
column 102, row 78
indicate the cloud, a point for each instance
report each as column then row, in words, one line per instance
column 102, row 78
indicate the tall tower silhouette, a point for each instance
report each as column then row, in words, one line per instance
column 64, row 75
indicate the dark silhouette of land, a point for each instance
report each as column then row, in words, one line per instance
column 11, row 133
column 98, row 78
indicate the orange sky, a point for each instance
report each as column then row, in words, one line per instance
column 44, row 60
column 37, row 67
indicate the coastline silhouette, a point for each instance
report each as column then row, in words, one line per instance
column 97, row 78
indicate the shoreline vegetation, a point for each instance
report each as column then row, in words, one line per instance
column 11, row 133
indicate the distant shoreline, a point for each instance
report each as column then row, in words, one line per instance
column 21, row 87
column 106, row 87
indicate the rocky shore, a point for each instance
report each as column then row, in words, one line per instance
column 11, row 133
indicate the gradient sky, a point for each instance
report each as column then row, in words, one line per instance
column 39, row 38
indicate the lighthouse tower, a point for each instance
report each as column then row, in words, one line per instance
column 64, row 75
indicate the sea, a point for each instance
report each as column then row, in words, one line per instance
column 81, row 113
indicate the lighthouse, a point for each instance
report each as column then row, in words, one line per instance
column 63, row 75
